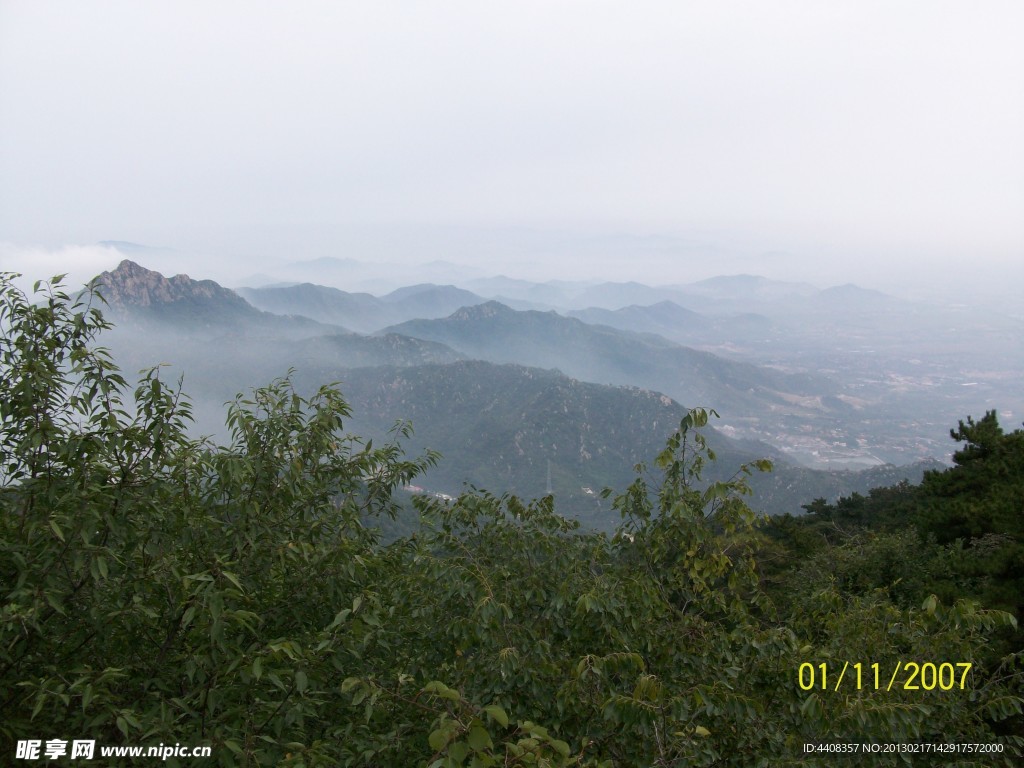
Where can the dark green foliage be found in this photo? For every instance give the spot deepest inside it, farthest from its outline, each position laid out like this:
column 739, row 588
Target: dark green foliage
column 979, row 504
column 984, row 492
column 500, row 426
column 962, row 527
column 958, row 535
column 162, row 589
column 158, row 588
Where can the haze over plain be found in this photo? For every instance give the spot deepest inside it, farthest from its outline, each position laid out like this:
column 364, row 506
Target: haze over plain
column 866, row 142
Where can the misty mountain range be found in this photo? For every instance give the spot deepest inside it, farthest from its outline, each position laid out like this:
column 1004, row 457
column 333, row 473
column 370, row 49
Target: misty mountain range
column 502, row 391
column 606, row 355
column 361, row 312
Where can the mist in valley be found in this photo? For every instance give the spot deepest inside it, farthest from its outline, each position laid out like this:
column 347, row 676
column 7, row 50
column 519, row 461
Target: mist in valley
column 843, row 388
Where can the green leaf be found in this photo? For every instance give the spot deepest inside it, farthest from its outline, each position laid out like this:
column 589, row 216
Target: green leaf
column 438, row 739
column 216, row 605
column 560, row 747
column 497, row 714
column 87, row 696
column 349, row 683
column 440, row 689
column 233, row 579
column 56, row 529
column 479, row 739
column 276, row 680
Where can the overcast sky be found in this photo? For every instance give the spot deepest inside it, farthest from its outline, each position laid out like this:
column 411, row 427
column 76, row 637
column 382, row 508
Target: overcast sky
column 874, row 142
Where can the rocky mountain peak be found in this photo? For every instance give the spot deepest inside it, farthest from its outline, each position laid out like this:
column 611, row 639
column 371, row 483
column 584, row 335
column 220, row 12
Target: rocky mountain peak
column 132, row 285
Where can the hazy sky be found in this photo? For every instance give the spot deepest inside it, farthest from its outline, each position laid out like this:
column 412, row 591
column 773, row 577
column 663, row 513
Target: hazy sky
column 862, row 141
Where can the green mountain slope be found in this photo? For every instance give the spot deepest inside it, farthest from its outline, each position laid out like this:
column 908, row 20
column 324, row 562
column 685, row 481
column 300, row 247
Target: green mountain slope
column 605, row 355
column 498, row 427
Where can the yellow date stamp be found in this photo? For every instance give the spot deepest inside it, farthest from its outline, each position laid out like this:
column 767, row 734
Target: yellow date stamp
column 902, row 676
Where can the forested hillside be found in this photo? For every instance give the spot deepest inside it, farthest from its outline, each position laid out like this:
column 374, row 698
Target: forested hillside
column 960, row 532
column 163, row 589
column 497, row 425
column 494, row 332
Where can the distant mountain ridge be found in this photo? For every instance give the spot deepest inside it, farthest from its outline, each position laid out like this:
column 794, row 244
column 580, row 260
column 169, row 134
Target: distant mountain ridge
column 676, row 323
column 356, row 311
column 361, row 312
column 134, row 294
column 604, row 355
